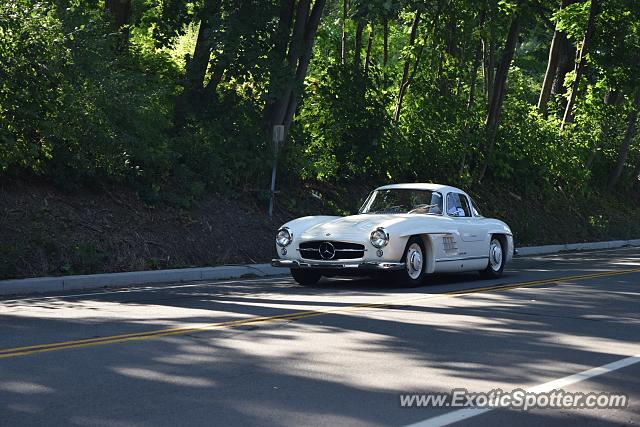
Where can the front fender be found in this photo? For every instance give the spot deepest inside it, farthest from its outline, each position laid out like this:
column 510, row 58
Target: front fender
column 429, row 229
column 499, row 227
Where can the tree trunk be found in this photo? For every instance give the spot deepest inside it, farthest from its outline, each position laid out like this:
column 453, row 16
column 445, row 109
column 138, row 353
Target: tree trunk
column 283, row 31
column 436, row 60
column 404, row 82
column 470, row 101
column 367, row 59
column 300, row 50
column 474, row 76
column 278, row 112
column 463, row 66
column 197, row 64
column 120, row 11
column 305, row 58
column 476, row 63
column 297, row 38
column 385, row 48
column 629, row 134
column 217, row 73
column 451, row 36
column 549, row 75
column 552, row 65
column 357, row 50
column 566, row 62
column 488, row 55
column 499, row 91
column 581, row 63
column 477, row 58
column 196, row 67
column 278, row 56
column 218, row 65
column 343, row 48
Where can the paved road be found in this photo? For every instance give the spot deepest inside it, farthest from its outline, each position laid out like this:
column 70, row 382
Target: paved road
column 268, row 352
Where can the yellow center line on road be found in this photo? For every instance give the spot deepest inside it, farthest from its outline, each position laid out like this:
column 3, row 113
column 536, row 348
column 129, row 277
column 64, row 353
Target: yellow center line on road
column 112, row 339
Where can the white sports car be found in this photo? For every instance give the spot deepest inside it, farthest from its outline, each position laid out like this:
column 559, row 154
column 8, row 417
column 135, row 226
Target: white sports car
column 408, row 230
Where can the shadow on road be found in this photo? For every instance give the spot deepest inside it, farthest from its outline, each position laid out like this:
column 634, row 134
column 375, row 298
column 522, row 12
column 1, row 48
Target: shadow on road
column 341, row 368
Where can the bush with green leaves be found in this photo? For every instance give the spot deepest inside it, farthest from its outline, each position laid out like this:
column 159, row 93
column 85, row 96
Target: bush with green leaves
column 346, row 129
column 73, row 107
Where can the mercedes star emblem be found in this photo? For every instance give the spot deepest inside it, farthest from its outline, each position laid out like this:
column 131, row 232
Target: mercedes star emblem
column 327, row 251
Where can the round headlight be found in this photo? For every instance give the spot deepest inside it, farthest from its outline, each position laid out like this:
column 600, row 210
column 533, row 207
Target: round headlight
column 284, row 237
column 379, row 238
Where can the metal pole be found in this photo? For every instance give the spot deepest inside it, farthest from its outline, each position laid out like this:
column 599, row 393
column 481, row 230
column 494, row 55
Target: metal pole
column 278, row 137
column 273, row 179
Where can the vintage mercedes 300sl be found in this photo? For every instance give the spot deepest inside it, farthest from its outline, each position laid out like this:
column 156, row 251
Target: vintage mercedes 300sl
column 407, row 230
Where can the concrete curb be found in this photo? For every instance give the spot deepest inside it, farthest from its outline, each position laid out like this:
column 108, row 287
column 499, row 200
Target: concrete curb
column 552, row 249
column 120, row 280
column 136, row 278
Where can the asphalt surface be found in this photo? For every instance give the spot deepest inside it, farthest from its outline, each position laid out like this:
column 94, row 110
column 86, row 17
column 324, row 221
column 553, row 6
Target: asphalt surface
column 269, row 352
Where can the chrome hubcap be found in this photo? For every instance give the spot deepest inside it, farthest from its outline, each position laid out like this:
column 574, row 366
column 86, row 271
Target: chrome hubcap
column 414, row 261
column 495, row 255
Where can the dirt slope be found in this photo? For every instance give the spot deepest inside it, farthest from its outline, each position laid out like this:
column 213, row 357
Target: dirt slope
column 47, row 231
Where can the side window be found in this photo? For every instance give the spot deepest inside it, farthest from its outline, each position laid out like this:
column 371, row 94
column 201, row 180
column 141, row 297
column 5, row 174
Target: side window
column 464, row 204
column 436, row 204
column 474, row 209
column 458, row 205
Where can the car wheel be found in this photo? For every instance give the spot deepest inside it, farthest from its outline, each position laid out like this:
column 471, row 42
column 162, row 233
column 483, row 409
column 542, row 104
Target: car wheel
column 305, row 277
column 497, row 257
column 414, row 264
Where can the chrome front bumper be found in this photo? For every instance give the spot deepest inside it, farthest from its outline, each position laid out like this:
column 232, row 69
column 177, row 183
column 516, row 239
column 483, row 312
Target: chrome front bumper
column 385, row 266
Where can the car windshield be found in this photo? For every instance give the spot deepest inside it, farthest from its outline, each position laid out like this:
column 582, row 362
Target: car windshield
column 402, row 200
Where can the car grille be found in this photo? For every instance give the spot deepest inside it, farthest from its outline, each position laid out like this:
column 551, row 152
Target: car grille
column 322, row 250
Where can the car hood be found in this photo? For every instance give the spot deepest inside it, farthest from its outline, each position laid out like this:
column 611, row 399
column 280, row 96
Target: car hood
column 351, row 226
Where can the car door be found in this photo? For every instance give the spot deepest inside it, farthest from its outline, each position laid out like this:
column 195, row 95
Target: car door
column 469, row 229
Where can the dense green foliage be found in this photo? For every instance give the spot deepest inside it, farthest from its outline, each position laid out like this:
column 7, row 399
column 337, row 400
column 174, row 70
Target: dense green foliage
column 184, row 95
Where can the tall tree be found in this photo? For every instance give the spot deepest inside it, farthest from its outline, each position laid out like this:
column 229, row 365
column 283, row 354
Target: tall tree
column 120, row 11
column 499, row 92
column 566, row 60
column 343, row 38
column 488, row 64
column 476, row 63
column 367, row 59
column 472, row 92
column 197, row 64
column 581, row 63
column 404, row 81
column 629, row 134
column 284, row 97
column 385, row 43
column 552, row 63
column 357, row 50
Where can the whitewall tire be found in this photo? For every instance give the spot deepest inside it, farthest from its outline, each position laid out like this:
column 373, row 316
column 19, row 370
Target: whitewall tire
column 497, row 258
column 414, row 260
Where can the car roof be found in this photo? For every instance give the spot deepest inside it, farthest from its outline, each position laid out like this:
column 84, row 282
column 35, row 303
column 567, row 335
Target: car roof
column 422, row 186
